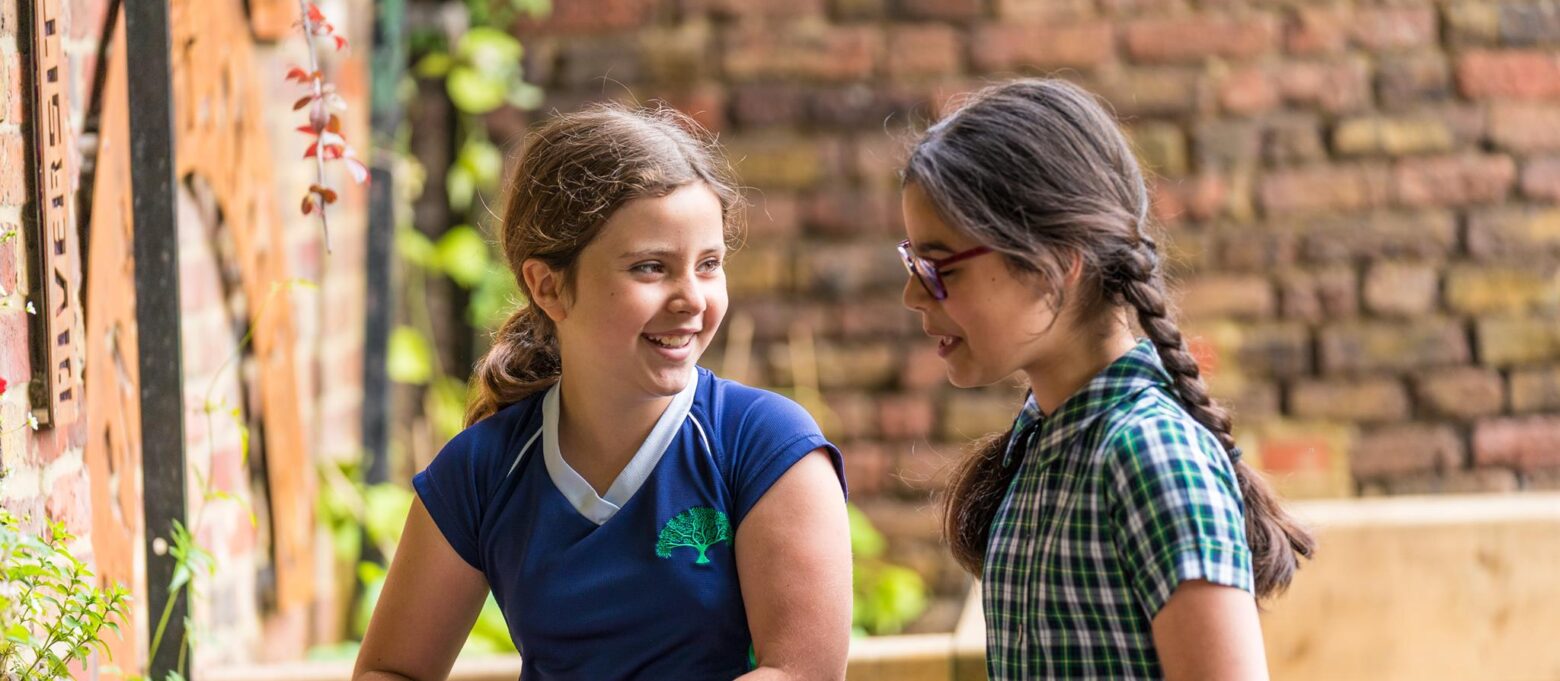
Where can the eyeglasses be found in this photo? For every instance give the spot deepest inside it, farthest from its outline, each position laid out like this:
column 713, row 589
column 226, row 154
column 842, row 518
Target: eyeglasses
column 927, row 271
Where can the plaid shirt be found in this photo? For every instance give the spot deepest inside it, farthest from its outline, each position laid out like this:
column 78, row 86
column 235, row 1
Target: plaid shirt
column 1119, row 497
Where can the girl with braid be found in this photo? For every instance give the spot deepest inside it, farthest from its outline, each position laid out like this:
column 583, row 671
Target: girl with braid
column 1117, row 533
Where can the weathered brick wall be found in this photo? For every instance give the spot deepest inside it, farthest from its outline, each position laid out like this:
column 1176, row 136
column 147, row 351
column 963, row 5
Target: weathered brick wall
column 46, row 474
column 1360, row 197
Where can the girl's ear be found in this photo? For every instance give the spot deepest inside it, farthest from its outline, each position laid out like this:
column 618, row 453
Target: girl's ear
column 546, row 287
column 1074, row 269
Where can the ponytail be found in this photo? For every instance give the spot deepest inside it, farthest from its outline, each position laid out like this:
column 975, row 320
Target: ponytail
column 522, row 361
column 977, row 486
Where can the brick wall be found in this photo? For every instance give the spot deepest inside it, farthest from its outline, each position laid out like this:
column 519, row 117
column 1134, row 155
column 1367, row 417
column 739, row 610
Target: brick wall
column 1360, row 198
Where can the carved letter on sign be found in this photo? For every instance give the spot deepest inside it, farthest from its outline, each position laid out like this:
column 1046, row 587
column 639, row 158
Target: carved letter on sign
column 56, row 336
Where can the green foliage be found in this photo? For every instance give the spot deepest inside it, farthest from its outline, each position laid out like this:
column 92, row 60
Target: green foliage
column 697, row 528
column 51, row 614
column 886, row 596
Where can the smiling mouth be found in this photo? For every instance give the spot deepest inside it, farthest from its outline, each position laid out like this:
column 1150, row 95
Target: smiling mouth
column 672, row 342
column 947, row 344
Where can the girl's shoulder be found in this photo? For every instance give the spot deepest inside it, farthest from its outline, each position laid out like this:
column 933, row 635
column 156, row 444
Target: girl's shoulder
column 742, row 414
column 1153, row 424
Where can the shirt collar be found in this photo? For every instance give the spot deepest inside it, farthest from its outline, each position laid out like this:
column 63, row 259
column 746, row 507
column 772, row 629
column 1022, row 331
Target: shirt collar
column 1140, row 368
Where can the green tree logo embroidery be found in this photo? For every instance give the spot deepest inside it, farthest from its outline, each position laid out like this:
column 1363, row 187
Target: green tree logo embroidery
column 699, row 528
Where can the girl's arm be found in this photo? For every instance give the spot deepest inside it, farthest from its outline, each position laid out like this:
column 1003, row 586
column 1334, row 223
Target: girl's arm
column 1209, row 631
column 793, row 557
column 430, row 600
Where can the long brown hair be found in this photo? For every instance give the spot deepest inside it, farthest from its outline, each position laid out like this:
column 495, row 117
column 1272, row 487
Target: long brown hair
column 1039, row 171
column 576, row 170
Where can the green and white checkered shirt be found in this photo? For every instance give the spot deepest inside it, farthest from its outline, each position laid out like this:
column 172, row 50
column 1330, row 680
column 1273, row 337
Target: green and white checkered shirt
column 1118, row 498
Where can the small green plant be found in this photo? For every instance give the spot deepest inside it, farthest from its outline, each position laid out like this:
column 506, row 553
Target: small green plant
column 53, row 616
column 886, row 596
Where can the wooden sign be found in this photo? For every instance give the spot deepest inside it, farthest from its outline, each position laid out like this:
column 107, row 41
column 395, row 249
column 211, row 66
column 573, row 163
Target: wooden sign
column 55, row 315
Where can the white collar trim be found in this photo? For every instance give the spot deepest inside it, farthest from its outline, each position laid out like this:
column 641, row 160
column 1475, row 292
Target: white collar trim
column 573, row 486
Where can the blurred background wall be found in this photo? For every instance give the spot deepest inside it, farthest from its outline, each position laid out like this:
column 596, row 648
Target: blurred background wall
column 1360, row 199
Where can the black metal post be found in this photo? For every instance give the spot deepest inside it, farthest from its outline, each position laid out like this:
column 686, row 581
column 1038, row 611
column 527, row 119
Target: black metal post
column 153, row 192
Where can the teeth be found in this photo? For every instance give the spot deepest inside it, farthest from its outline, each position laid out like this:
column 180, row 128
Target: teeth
column 671, row 341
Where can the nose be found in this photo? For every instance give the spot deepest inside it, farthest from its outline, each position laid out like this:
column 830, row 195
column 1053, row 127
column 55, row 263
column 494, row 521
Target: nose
column 915, row 296
column 687, row 296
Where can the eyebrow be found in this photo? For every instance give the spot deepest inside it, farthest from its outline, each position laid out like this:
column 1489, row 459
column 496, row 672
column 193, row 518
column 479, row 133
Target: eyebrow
column 929, row 246
column 666, row 252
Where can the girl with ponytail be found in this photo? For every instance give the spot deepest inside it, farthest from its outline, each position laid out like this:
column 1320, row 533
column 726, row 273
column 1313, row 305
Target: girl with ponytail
column 634, row 516
column 1115, row 528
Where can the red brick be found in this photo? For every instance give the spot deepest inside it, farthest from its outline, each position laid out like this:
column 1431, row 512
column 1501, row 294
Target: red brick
column 858, row 10
column 1335, row 87
column 1394, row 28
column 1525, row 126
column 766, row 104
column 1202, row 197
column 588, row 61
column 773, row 215
column 1507, row 341
column 1316, row 30
column 922, row 368
column 861, row 106
column 13, row 169
column 1529, row 23
column 1298, row 454
column 873, row 319
column 1248, row 91
column 1475, row 481
column 1369, row 400
column 1319, row 295
column 677, row 55
column 850, row 416
column 1280, row 349
column 778, row 161
column 1525, row 442
column 1472, row 22
column 844, row 270
column 1509, row 74
column 851, row 213
column 1292, row 139
column 1392, row 346
column 1044, row 10
column 974, row 415
column 806, row 51
column 875, row 160
column 1514, row 288
column 1541, row 178
column 1407, row 448
column 923, row 51
column 1462, row 393
column 1535, row 389
column 1155, row 91
column 1324, row 189
column 590, row 16
column 1408, row 80
column 1011, row 46
column 1226, row 296
column 1513, row 231
column 1401, row 289
column 868, row 466
column 941, row 10
column 706, row 105
column 906, row 417
column 1454, row 180
column 746, row 9
column 15, row 365
column 8, row 254
column 1197, row 38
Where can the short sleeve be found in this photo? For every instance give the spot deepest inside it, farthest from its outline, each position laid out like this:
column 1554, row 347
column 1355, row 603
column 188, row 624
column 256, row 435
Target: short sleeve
column 454, row 488
column 1176, row 510
column 765, row 438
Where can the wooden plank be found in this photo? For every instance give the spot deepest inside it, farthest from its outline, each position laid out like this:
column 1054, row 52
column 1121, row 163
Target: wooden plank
column 222, row 139
column 113, row 446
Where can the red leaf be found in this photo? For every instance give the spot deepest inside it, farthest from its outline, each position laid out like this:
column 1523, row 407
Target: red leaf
column 332, row 152
column 328, row 195
column 341, row 43
column 297, row 73
column 334, row 125
column 3, row 384
column 307, row 130
column 303, row 102
column 308, row 204
column 358, row 170
column 315, row 15
column 309, row 153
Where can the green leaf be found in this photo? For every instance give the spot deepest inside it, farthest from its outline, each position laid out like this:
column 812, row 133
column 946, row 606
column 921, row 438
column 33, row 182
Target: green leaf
column 484, row 161
column 460, row 186
column 474, row 92
column 865, row 540
column 494, row 299
column 415, row 247
column 463, row 254
column 490, row 50
column 434, row 65
column 523, row 95
column 385, row 507
column 410, row 361
column 446, row 407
